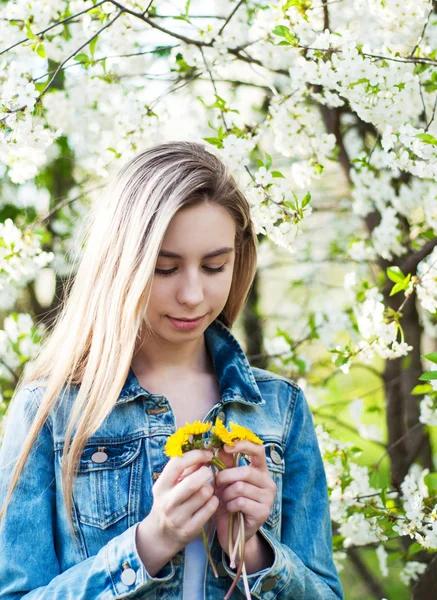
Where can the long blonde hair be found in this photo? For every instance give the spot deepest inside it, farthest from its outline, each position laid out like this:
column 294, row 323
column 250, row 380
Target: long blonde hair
column 94, row 336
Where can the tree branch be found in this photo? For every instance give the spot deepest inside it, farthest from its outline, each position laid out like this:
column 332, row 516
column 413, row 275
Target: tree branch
column 55, row 25
column 423, row 32
column 230, row 16
column 410, row 264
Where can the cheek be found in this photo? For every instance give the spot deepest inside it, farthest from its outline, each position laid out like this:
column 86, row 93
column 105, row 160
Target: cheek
column 221, row 288
column 161, row 290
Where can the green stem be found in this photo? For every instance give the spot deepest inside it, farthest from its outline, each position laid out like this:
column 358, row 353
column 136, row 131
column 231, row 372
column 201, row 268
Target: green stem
column 218, row 463
column 208, row 553
column 236, row 458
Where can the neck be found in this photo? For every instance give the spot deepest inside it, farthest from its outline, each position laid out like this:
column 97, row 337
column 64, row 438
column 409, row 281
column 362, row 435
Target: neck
column 163, row 358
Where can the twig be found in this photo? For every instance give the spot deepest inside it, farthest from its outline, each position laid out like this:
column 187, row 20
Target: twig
column 55, row 25
column 423, row 33
column 214, row 87
column 230, row 16
column 398, row 441
column 433, row 114
column 96, row 60
column 63, row 63
column 142, row 17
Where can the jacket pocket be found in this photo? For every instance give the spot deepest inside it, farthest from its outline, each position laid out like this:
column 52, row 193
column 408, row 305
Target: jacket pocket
column 104, row 482
column 276, row 467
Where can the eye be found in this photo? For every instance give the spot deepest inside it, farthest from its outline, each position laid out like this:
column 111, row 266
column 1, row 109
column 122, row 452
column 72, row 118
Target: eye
column 217, row 270
column 209, row 270
column 165, row 271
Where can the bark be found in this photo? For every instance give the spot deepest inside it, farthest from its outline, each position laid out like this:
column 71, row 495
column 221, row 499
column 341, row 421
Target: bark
column 425, row 588
column 400, row 375
column 252, row 325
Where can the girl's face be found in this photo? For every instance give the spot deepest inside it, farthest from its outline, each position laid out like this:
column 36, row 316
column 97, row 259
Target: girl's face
column 193, row 273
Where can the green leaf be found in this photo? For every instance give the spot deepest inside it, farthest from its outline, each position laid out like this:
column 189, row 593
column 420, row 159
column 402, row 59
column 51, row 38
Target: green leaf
column 306, row 199
column 29, row 32
column 395, row 274
column 259, row 163
column 432, row 356
column 383, row 495
column 277, row 174
column 397, row 288
column 82, row 57
column 93, row 45
column 428, row 376
column 427, row 138
column 268, row 161
column 281, row 31
column 430, row 480
column 214, row 141
column 420, row 389
column 415, row 547
column 359, row 82
column 40, row 50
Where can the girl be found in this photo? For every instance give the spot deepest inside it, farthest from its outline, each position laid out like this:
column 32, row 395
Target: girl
column 91, row 506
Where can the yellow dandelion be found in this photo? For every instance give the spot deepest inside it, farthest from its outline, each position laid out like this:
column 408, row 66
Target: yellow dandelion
column 196, row 428
column 175, row 442
column 243, row 433
column 220, row 431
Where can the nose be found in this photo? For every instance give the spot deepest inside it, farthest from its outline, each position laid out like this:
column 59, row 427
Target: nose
column 190, row 291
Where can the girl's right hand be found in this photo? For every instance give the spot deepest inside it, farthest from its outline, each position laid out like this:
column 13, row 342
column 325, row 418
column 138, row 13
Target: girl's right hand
column 183, row 502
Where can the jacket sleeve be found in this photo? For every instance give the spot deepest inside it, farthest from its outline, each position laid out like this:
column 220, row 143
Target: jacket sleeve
column 303, row 566
column 29, row 566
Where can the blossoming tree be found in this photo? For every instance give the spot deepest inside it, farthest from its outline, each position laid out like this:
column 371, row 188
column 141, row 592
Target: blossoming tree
column 293, row 95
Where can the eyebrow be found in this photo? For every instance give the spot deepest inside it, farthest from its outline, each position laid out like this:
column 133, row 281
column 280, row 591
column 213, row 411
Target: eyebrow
column 218, row 252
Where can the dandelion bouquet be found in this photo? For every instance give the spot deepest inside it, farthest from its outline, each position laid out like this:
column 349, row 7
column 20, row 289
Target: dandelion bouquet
column 200, row 435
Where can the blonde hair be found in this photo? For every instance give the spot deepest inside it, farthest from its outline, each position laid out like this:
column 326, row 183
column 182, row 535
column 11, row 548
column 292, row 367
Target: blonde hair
column 94, row 336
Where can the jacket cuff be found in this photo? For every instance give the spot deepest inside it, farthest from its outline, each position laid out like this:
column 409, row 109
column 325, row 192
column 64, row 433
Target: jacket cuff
column 126, row 570
column 267, row 583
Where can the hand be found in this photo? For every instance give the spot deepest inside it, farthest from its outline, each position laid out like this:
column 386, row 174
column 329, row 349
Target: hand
column 249, row 489
column 183, row 501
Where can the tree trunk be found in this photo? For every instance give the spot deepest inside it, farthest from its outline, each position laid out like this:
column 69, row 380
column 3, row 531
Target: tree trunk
column 252, row 325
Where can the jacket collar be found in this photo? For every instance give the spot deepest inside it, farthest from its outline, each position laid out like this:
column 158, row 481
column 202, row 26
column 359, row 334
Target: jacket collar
column 231, row 366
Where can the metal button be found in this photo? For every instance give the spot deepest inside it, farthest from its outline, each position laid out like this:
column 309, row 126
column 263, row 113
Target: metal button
column 222, row 416
column 177, row 560
column 275, row 456
column 268, row 584
column 221, row 569
column 128, row 576
column 99, row 457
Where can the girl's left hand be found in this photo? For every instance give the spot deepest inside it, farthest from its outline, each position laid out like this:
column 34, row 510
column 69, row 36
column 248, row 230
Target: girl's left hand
column 249, row 489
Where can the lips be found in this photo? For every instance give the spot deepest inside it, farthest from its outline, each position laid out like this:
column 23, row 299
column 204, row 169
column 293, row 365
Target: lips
column 187, row 320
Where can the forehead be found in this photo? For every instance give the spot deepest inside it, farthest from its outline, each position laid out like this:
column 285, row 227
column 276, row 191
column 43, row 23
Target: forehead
column 200, row 229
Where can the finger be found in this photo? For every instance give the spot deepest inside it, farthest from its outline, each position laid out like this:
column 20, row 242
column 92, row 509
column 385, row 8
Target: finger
column 247, row 490
column 247, row 473
column 201, row 516
column 189, row 470
column 190, row 485
column 194, row 503
column 176, row 466
column 256, row 452
column 257, row 511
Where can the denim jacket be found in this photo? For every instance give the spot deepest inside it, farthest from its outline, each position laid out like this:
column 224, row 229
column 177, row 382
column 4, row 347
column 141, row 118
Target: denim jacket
column 113, row 493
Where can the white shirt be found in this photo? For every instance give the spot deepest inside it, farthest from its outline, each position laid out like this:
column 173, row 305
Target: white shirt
column 195, row 563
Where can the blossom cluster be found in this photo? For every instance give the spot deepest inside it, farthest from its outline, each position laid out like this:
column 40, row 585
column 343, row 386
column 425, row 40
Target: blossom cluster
column 20, row 341
column 21, row 256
